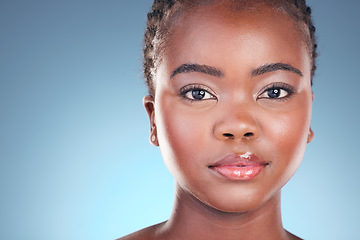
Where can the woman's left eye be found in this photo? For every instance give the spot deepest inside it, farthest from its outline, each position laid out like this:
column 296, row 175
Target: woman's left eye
column 277, row 92
column 198, row 94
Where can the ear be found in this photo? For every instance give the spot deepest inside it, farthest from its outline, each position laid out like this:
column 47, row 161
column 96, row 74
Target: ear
column 311, row 132
column 149, row 104
column 310, row 136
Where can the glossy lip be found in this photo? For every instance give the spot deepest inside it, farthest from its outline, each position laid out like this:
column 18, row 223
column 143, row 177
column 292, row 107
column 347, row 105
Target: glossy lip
column 237, row 167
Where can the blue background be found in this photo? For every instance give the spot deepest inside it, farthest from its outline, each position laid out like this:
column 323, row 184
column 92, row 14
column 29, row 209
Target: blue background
column 75, row 160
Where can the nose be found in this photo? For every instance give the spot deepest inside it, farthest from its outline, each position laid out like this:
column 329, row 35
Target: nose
column 240, row 125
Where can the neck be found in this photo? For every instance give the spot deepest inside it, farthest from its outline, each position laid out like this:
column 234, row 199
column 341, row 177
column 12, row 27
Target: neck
column 192, row 219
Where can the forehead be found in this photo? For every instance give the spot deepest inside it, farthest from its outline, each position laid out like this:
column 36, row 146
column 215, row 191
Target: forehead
column 253, row 36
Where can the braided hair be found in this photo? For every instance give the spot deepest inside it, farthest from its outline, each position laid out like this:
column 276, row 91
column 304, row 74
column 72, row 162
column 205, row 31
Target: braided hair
column 163, row 13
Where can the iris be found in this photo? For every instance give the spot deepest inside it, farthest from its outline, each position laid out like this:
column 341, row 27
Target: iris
column 198, row 94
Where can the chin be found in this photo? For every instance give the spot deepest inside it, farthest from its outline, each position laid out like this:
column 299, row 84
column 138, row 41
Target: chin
column 238, row 202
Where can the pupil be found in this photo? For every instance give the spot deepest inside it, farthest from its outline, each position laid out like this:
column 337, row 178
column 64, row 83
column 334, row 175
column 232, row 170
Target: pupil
column 198, row 94
column 274, row 93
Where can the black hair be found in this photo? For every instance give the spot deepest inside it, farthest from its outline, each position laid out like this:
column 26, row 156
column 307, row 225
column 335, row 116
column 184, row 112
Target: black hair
column 163, row 13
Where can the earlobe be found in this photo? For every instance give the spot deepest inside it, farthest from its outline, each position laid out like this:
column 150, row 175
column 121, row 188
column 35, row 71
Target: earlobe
column 310, row 136
column 311, row 132
column 149, row 104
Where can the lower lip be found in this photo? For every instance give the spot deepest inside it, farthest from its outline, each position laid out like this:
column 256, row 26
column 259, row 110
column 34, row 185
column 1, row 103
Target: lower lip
column 237, row 173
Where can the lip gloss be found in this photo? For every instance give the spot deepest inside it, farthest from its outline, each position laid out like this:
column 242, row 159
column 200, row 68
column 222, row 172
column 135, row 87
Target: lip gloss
column 239, row 167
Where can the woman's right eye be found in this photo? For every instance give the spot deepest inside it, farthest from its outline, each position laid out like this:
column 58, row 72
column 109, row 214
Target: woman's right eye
column 198, row 94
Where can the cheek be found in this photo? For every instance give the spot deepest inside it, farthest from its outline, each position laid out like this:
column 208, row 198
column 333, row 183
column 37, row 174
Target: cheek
column 288, row 137
column 181, row 134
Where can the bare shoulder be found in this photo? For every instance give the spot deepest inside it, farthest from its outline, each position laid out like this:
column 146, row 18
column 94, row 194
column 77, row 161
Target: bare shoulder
column 292, row 236
column 149, row 233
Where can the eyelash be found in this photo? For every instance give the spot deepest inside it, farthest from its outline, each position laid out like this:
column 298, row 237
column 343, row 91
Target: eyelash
column 278, row 85
column 196, row 87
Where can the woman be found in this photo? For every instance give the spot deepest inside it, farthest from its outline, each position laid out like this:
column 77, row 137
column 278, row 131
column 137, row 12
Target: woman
column 229, row 104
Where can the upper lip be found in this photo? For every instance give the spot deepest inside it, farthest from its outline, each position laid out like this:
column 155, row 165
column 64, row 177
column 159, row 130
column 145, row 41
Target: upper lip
column 245, row 159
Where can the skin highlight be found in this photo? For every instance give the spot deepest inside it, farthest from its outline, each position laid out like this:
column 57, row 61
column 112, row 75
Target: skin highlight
column 230, row 84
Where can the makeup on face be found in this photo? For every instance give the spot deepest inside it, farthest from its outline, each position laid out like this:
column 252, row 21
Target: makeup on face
column 239, row 167
column 232, row 105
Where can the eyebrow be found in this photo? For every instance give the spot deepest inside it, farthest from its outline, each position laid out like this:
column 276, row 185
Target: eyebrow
column 213, row 71
column 192, row 67
column 272, row 67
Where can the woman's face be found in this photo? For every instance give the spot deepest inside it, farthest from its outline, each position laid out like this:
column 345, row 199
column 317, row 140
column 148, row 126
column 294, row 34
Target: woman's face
column 232, row 105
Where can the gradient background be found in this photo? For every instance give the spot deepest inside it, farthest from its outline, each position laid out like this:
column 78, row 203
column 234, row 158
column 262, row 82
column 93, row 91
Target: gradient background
column 75, row 160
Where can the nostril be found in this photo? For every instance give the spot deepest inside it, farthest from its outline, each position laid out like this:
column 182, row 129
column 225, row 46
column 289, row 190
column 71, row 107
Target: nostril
column 248, row 134
column 228, row 135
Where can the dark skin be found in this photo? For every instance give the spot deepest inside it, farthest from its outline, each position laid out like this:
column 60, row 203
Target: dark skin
column 247, row 56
